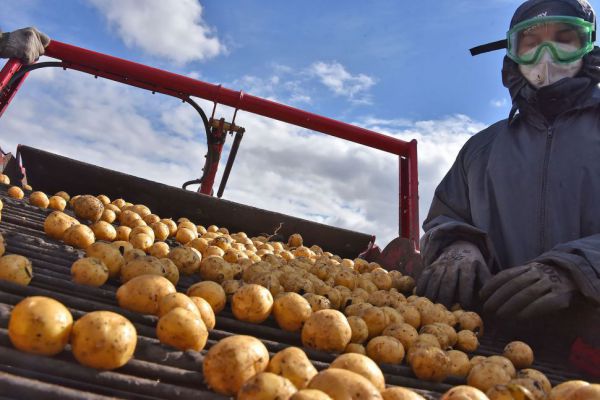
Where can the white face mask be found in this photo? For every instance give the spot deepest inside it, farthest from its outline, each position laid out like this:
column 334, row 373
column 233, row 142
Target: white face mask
column 547, row 71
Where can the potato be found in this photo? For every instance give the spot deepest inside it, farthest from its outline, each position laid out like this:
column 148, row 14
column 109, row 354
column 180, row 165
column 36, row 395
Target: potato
column 343, row 384
column 57, row 203
column 212, row 292
column 505, row 363
column 146, row 265
column 532, row 386
column 57, row 223
column 355, row 348
column 141, row 241
column 133, row 254
column 182, row 329
column 445, row 334
column 293, row 364
column 385, row 349
column 295, row 240
column 564, row 390
column 589, row 392
column 327, row 330
column 16, row 192
column 161, row 231
column 173, row 300
column 467, row 341
column 230, row 286
column 310, row 394
column 487, row 374
column 400, row 393
column 252, row 303
column 519, row 353
column 427, row 339
column 109, row 255
column 104, row 231
column 361, row 365
column 40, row 325
column 291, row 311
column 123, row 233
column 459, row 363
column 411, row 315
column 185, row 235
column 404, row 332
column 537, row 376
column 89, row 271
column 232, row 361
column 142, row 229
column 266, row 386
column 376, row 320
column 206, row 311
column 103, row 340
column 2, row 245
column 381, row 279
column 510, row 391
column 88, row 207
column 108, row 216
column 16, row 268
column 170, row 270
column 464, row 392
column 429, row 363
column 471, row 321
column 39, row 199
column 142, row 293
column 80, row 236
column 187, row 259
column 360, row 330
column 159, row 250
column 151, row 219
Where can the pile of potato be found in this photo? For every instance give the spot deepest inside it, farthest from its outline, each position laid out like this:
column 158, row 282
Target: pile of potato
column 337, row 305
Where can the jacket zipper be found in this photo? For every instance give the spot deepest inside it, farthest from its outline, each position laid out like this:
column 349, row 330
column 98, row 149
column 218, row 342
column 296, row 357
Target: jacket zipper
column 549, row 137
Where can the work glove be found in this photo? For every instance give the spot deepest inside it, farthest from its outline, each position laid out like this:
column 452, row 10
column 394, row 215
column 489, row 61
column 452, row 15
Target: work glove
column 456, row 275
column 26, row 44
column 527, row 291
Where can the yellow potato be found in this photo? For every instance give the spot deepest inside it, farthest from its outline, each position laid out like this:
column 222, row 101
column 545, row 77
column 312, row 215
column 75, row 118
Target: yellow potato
column 400, row 393
column 57, row 203
column 15, row 268
column 293, row 364
column 266, row 386
column 487, row 374
column 185, row 235
column 4, row 179
column 589, row 392
column 317, row 302
column 360, row 330
column 80, row 236
column 471, row 321
column 464, row 392
column 459, row 363
column 173, row 300
column 57, row 223
column 109, row 255
column 103, row 231
column 252, row 303
column 564, row 390
column 510, row 391
column 159, row 250
column 310, row 394
column 535, row 390
column 40, row 325
column 103, row 340
column 376, row 320
column 214, row 268
column 133, row 254
column 343, row 384
column 64, row 195
column 2, row 245
column 171, row 225
column 89, row 271
column 230, row 286
column 141, row 241
column 108, row 216
column 123, row 233
column 161, row 230
column 206, row 311
column 123, row 246
column 404, row 332
column 291, row 311
column 232, row 361
column 142, row 229
column 519, row 353
column 429, row 363
column 146, row 265
column 16, row 192
column 363, row 366
column 142, row 293
column 385, row 349
column 39, row 199
column 151, row 219
column 187, row 259
column 505, row 363
column 327, row 330
column 467, row 341
column 182, row 329
column 212, row 292
column 537, row 376
column 170, row 270
column 88, row 207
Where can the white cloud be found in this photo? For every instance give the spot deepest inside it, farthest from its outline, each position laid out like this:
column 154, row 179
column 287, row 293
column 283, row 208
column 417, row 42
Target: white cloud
column 335, row 76
column 174, row 30
column 279, row 167
column 499, row 103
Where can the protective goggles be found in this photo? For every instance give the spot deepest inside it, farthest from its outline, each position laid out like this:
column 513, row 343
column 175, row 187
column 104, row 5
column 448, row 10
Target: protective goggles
column 566, row 38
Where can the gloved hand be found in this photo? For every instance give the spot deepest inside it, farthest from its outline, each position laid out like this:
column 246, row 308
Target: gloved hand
column 529, row 290
column 27, row 44
column 455, row 276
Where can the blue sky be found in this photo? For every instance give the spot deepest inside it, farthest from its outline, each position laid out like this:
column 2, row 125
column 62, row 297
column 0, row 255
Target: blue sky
column 400, row 68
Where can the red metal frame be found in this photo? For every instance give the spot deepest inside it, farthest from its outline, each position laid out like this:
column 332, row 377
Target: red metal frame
column 180, row 86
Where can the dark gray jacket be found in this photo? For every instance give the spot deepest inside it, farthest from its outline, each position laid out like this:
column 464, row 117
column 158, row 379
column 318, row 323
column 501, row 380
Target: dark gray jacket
column 528, row 187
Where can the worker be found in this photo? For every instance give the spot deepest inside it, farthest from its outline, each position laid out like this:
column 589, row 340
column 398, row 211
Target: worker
column 26, row 44
column 515, row 223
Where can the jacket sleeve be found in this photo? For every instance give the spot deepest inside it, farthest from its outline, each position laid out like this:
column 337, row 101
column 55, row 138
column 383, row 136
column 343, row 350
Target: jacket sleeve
column 449, row 218
column 582, row 258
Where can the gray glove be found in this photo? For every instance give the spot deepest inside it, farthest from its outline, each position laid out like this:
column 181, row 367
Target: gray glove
column 26, row 44
column 455, row 276
column 528, row 291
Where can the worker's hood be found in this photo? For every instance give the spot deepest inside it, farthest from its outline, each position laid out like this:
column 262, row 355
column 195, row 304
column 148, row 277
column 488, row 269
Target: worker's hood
column 521, row 92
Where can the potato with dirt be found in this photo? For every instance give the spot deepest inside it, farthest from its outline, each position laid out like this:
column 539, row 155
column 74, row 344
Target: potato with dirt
column 40, row 325
column 564, row 390
column 266, row 386
column 57, row 223
column 109, row 255
column 487, row 374
column 210, row 291
column 182, row 329
column 459, row 363
column 232, row 361
column 464, row 392
column 519, row 353
column 57, row 203
column 360, row 330
column 89, row 271
column 310, row 394
column 291, row 311
column 429, row 363
column 174, row 300
column 216, row 269
column 88, row 207
column 16, row 268
column 145, row 265
column 80, row 236
column 293, row 364
column 252, row 303
column 404, row 332
column 39, row 199
column 362, row 365
column 206, row 312
column 16, row 192
column 143, row 293
column 400, row 393
column 103, row 340
column 385, row 349
column 104, row 231
column 327, row 330
column 344, row 384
